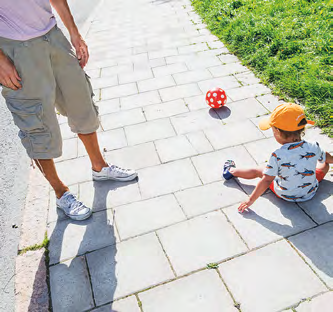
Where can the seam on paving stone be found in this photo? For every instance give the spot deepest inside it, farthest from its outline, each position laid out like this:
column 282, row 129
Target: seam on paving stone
column 236, row 304
column 301, row 256
column 180, row 205
column 309, row 216
column 139, row 302
column 191, row 160
column 157, row 153
column 90, row 282
column 164, row 251
column 241, row 237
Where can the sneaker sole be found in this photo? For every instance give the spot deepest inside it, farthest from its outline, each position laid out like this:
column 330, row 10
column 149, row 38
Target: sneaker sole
column 77, row 218
column 129, row 178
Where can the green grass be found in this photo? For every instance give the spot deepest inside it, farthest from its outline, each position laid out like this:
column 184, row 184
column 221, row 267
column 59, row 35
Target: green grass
column 288, row 44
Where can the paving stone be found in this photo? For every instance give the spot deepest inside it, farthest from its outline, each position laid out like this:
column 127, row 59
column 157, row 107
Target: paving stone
column 267, row 133
column 195, row 121
column 108, row 140
column 241, row 110
column 270, row 101
column 193, row 48
column 169, row 69
column 135, row 76
column 314, row 134
column 115, row 70
column 108, row 194
column 262, row 150
column 156, row 83
column 166, row 109
column 152, row 185
column 122, row 119
column 108, row 106
column 151, row 63
column 268, row 219
column 94, row 73
column 31, row 290
column 246, row 92
column 322, row 303
column 196, row 102
column 281, row 278
column 226, row 83
column 209, row 166
column 70, row 286
column 121, row 270
column 69, row 149
column 228, row 135
column 129, row 304
column 174, row 148
column 212, row 54
column 162, row 53
column 247, row 78
column 228, row 69
column 74, row 170
column 316, row 247
column 192, row 244
column 228, row 58
column 104, row 82
column 66, row 132
column 140, row 100
column 199, row 142
column 216, row 44
column 192, row 76
column 202, row 199
column 149, row 131
column 179, row 92
column 69, row 238
column 202, row 291
column 320, row 207
column 119, row 91
column 146, row 216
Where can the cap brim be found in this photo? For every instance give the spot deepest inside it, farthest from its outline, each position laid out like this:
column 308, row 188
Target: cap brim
column 310, row 122
column 264, row 124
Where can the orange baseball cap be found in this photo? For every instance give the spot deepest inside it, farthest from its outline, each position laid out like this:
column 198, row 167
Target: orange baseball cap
column 285, row 117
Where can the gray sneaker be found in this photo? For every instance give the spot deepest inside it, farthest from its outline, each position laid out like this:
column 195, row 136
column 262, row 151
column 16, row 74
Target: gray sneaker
column 72, row 207
column 114, row 173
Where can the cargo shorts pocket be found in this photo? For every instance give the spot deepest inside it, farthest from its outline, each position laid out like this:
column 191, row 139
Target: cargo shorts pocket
column 27, row 115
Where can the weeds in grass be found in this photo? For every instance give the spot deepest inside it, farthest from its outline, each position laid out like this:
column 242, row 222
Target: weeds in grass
column 287, row 43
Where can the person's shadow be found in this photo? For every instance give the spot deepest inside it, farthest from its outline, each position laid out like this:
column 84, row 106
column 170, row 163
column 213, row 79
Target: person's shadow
column 76, row 284
column 316, row 243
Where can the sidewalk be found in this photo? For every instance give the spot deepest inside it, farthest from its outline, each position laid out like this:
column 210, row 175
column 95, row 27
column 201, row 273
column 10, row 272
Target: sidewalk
column 148, row 243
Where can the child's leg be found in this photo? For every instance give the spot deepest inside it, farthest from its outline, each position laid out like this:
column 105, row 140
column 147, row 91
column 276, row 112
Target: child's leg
column 250, row 173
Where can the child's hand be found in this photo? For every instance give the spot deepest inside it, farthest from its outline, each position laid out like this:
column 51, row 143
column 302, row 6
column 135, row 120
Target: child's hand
column 245, row 205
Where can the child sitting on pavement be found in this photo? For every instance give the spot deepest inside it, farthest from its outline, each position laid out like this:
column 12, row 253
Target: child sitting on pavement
column 295, row 169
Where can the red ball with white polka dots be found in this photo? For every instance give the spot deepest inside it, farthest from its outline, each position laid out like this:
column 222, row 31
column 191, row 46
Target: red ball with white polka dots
column 216, row 98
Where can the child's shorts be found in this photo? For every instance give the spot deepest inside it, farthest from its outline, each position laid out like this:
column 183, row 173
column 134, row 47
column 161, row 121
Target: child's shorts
column 51, row 77
column 319, row 175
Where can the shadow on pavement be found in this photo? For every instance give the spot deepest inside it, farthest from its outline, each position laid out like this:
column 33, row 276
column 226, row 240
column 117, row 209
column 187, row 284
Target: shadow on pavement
column 72, row 282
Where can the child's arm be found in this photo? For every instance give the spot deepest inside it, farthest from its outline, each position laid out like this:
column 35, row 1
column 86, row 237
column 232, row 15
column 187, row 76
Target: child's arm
column 329, row 158
column 258, row 191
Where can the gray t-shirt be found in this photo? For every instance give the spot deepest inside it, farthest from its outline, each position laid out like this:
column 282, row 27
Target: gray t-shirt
column 25, row 19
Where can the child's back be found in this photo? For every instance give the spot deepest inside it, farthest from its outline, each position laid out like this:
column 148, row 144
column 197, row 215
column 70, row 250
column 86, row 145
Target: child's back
column 294, row 168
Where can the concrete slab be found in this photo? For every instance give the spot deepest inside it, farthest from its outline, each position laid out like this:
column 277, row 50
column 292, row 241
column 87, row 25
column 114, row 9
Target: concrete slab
column 129, row 304
column 146, row 216
column 192, row 244
column 280, row 276
column 140, row 100
column 166, row 109
column 316, row 247
column 152, row 185
column 267, row 220
column 322, row 303
column 121, row 270
column 203, row 291
column 70, row 286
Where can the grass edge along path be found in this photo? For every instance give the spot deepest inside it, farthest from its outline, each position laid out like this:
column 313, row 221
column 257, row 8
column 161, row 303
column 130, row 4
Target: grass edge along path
column 287, row 43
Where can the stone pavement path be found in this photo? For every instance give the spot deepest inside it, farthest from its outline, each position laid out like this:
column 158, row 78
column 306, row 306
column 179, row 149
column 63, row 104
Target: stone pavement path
column 148, row 243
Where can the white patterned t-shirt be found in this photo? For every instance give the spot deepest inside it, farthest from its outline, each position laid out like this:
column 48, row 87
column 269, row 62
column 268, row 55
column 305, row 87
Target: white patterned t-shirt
column 294, row 168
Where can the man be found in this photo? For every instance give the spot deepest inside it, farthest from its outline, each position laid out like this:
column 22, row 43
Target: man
column 39, row 71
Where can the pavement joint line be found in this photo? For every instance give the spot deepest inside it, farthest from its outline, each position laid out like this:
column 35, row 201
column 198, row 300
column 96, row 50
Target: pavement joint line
column 181, row 207
column 166, row 255
column 196, row 170
column 233, row 226
column 306, row 213
column 89, row 279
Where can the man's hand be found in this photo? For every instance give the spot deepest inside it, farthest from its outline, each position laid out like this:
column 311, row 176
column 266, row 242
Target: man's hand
column 8, row 74
column 245, row 205
column 81, row 49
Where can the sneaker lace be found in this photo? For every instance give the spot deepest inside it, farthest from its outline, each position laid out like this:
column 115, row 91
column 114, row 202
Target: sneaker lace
column 74, row 204
column 118, row 169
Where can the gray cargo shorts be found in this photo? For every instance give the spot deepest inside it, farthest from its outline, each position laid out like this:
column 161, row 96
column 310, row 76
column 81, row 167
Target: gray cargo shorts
column 51, row 78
